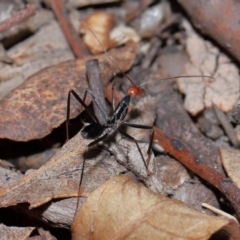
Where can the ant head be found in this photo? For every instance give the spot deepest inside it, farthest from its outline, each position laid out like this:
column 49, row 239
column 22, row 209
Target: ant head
column 135, row 90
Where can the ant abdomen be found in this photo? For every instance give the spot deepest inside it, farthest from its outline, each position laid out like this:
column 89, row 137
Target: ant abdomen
column 92, row 131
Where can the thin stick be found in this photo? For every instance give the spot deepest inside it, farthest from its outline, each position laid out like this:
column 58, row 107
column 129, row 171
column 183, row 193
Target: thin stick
column 227, row 126
column 175, row 148
column 17, row 18
column 71, row 35
column 96, row 86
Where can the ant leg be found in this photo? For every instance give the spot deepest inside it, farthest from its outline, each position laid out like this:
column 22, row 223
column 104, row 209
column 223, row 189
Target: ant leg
column 151, row 136
column 83, row 164
column 113, row 98
column 82, row 102
column 80, row 182
column 134, row 125
column 97, row 140
column 101, row 146
column 150, row 147
column 135, row 141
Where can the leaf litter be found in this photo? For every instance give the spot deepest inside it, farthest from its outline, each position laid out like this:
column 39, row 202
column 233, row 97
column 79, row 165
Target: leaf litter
column 39, row 105
column 59, row 178
column 206, row 59
column 129, row 210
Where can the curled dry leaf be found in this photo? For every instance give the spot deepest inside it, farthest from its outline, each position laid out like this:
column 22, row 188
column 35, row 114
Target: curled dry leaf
column 101, row 23
column 39, row 105
column 230, row 159
column 15, row 233
column 59, row 177
column 121, row 34
column 205, row 59
column 122, row 209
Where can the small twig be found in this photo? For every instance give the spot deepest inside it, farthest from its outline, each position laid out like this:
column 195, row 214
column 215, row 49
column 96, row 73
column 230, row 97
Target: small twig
column 175, row 148
column 71, row 35
column 95, row 84
column 155, row 44
column 226, row 126
column 17, row 18
column 219, row 212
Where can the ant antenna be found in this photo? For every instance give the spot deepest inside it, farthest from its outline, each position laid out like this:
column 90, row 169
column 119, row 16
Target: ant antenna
column 133, row 90
column 105, row 50
column 178, row 77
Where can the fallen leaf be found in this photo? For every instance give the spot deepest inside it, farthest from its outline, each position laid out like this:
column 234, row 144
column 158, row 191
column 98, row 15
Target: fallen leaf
column 122, row 209
column 206, row 59
column 15, row 233
column 45, row 48
column 8, row 177
column 36, row 107
column 230, row 159
column 99, row 27
column 121, row 34
column 45, row 234
column 101, row 23
column 60, row 177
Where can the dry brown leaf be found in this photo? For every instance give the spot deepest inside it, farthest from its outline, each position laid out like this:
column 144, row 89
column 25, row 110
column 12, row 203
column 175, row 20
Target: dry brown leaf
column 59, row 178
column 121, row 34
column 15, row 233
column 39, row 105
column 8, row 177
column 47, row 47
column 101, row 23
column 205, row 59
column 122, row 209
column 230, row 159
column 45, row 235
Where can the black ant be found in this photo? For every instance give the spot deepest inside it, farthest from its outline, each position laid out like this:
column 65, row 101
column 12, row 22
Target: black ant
column 99, row 132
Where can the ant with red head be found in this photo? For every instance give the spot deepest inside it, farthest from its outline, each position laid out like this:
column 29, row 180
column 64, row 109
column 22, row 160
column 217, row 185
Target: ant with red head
column 100, row 131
